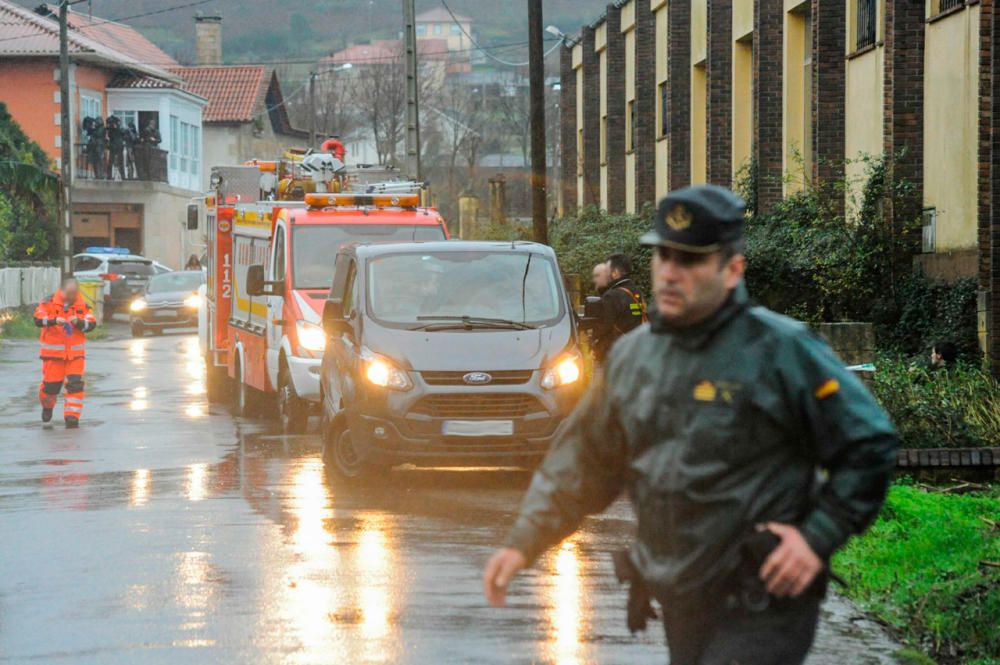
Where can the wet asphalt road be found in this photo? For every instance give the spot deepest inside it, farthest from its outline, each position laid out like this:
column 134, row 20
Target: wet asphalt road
column 165, row 531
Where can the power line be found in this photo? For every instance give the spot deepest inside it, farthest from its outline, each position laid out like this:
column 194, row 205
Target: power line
column 104, row 21
column 483, row 50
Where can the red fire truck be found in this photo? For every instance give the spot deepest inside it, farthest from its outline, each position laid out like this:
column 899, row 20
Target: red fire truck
column 274, row 229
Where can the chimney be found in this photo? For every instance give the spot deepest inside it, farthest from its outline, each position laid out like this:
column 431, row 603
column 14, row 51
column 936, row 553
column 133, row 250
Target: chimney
column 208, row 39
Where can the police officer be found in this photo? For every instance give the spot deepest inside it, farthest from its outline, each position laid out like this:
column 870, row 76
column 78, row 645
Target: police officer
column 716, row 418
column 623, row 306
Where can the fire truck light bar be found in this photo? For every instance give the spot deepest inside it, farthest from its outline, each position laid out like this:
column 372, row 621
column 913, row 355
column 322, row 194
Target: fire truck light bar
column 324, row 200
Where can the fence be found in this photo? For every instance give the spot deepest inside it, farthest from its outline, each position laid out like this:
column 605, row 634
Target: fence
column 26, row 285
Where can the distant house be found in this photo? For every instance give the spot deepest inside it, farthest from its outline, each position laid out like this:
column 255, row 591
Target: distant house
column 437, row 23
column 114, row 71
column 246, row 116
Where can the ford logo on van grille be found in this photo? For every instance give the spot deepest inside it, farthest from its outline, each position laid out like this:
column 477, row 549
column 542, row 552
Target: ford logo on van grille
column 477, row 378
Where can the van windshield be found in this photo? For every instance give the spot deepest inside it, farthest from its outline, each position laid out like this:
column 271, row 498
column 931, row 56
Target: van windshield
column 314, row 248
column 413, row 290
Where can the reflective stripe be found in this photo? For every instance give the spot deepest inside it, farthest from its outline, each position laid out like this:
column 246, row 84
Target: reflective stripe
column 53, row 347
column 77, row 347
column 73, row 400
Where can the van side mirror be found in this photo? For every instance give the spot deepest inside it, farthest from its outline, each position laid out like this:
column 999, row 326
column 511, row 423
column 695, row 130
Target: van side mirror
column 255, row 280
column 334, row 322
column 192, row 217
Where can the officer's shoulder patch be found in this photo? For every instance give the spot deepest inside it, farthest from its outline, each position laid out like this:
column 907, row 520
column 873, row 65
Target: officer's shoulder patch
column 827, row 388
column 705, row 391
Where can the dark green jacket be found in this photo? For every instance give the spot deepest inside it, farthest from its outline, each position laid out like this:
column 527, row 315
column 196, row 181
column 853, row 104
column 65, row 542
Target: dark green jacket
column 712, row 430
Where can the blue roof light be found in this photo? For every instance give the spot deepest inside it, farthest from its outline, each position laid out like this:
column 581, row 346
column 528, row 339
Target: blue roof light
column 108, row 250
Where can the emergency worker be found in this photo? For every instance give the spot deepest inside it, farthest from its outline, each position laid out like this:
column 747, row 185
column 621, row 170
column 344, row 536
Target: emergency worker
column 716, row 418
column 600, row 278
column 64, row 319
column 623, row 306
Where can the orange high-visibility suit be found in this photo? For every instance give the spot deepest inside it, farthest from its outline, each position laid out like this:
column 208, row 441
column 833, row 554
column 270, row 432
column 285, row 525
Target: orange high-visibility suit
column 62, row 351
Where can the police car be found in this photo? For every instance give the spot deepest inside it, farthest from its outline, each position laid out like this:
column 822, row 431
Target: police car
column 124, row 274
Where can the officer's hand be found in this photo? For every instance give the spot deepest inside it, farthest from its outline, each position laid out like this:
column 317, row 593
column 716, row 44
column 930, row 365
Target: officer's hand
column 500, row 570
column 60, row 320
column 792, row 566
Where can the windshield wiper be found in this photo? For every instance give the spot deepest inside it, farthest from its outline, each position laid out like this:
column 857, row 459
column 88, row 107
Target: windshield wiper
column 468, row 323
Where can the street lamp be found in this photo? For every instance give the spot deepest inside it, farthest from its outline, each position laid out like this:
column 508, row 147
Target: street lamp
column 556, row 32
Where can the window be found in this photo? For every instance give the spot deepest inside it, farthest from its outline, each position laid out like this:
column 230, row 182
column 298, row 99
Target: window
column 127, row 117
column 438, row 28
column 866, row 25
column 664, row 109
column 579, row 151
column 85, row 263
column 604, row 139
column 347, row 303
column 422, row 29
column 807, row 96
column 279, row 255
column 455, row 29
column 90, row 105
column 195, row 149
column 184, row 142
column 945, row 5
column 630, row 127
column 175, row 137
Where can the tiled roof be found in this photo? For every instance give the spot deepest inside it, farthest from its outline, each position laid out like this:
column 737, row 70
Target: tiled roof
column 439, row 15
column 24, row 33
column 138, row 81
column 386, row 51
column 233, row 92
column 122, row 38
column 379, row 52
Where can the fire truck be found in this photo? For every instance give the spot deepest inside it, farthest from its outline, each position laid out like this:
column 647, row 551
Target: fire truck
column 273, row 230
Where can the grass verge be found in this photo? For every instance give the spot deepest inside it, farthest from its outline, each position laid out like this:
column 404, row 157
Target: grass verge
column 18, row 324
column 920, row 568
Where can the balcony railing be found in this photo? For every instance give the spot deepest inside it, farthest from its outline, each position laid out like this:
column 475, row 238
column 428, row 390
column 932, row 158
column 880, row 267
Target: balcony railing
column 138, row 162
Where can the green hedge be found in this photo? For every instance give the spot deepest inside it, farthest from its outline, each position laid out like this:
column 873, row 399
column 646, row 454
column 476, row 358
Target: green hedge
column 953, row 408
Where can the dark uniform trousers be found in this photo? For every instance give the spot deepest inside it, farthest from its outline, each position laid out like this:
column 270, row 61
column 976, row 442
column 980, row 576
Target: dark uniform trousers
column 715, row 629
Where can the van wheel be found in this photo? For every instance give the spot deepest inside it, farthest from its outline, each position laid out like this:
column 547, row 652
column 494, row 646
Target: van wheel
column 241, row 395
column 217, row 383
column 293, row 411
column 340, row 457
column 137, row 329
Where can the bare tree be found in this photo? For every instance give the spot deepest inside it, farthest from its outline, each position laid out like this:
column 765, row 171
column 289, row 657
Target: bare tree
column 512, row 113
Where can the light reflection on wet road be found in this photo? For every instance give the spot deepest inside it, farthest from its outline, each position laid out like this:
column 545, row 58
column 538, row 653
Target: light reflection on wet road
column 163, row 531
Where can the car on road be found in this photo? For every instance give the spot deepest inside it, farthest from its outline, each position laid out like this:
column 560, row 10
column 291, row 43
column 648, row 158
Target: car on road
column 170, row 300
column 124, row 274
column 446, row 354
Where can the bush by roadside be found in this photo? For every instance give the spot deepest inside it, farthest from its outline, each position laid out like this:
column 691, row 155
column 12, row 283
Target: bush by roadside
column 954, row 408
column 18, row 324
column 920, row 569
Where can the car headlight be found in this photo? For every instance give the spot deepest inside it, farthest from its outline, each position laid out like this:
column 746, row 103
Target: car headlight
column 382, row 373
column 311, row 336
column 563, row 373
column 193, row 301
column 138, row 305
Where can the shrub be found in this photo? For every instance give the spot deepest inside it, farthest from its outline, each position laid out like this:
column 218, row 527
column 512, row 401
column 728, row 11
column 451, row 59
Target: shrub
column 584, row 241
column 807, row 260
column 954, row 408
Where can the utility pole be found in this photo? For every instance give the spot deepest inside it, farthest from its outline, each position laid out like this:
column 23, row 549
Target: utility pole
column 412, row 101
column 312, row 110
column 65, row 143
column 536, row 81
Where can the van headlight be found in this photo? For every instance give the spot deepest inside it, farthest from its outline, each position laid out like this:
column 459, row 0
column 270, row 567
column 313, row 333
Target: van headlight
column 566, row 371
column 311, row 337
column 137, row 305
column 382, row 373
column 193, row 301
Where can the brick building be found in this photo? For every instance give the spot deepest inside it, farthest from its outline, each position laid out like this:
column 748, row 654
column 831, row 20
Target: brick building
column 659, row 94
